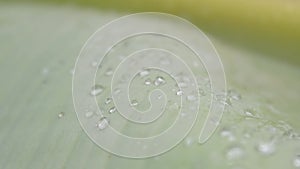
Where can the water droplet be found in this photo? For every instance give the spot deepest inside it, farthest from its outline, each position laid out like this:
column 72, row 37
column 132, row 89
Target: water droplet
column 134, row 103
column 189, row 141
column 96, row 90
column 117, row 91
column 179, row 93
column 250, row 113
column 147, row 82
column 94, row 63
column 191, row 98
column 89, row 114
column 159, row 81
column 112, row 110
column 227, row 134
column 72, row 71
column 234, row 95
column 266, row 148
column 202, row 92
column 144, row 73
column 102, row 123
column 108, row 100
column 296, row 161
column 109, row 72
column 182, row 85
column 45, row 71
column 235, row 152
column 61, row 114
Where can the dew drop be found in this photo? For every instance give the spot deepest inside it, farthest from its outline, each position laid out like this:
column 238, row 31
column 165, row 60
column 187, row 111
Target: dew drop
column 89, row 114
column 235, row 152
column 45, row 71
column 296, row 161
column 182, row 85
column 191, row 98
column 94, row 63
column 117, row 91
column 189, row 141
column 159, row 81
column 61, row 114
column 147, row 82
column 134, row 103
column 102, row 123
column 109, row 72
column 144, row 73
column 227, row 134
column 72, row 71
column 112, row 110
column 108, row 100
column 96, row 90
column 179, row 93
column 234, row 95
column 266, row 148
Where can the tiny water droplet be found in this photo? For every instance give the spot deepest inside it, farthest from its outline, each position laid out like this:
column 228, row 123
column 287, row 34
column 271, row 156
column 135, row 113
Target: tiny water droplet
column 159, row 81
column 94, row 63
column 61, row 114
column 89, row 114
column 227, row 134
column 182, row 85
column 144, row 73
column 72, row 71
column 266, row 148
column 147, row 82
column 134, row 103
column 117, row 91
column 102, row 123
column 296, row 161
column 191, row 98
column 235, row 152
column 45, row 71
column 202, row 92
column 179, row 93
column 108, row 100
column 109, row 72
column 112, row 110
column 96, row 90
column 189, row 141
column 234, row 95
column 249, row 113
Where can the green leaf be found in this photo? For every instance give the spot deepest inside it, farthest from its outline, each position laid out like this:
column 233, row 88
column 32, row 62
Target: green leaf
column 39, row 128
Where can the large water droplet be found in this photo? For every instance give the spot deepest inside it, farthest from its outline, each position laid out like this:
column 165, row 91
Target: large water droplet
column 102, row 123
column 296, row 161
column 159, row 81
column 96, row 90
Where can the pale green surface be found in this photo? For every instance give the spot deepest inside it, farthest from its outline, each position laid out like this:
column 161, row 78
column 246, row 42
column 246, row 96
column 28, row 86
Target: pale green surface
column 33, row 39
